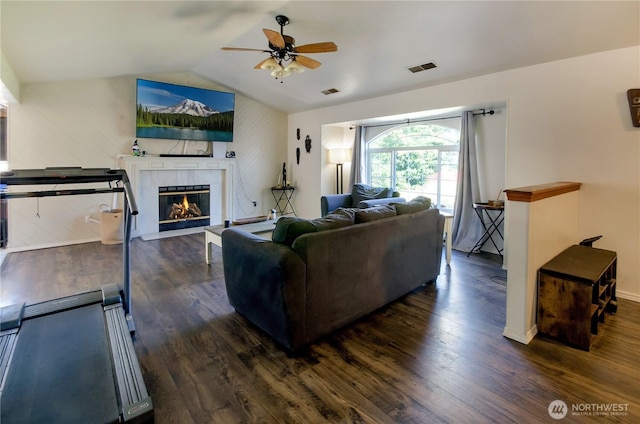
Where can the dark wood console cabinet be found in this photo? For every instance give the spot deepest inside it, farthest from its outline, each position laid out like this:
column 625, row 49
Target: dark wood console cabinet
column 575, row 290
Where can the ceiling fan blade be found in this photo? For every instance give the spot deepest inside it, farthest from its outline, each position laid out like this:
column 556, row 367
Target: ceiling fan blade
column 242, row 49
column 274, row 37
column 326, row 47
column 308, row 62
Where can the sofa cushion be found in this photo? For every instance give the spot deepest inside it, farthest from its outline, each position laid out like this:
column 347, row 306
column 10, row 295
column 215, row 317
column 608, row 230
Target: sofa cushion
column 415, row 205
column 361, row 192
column 376, row 212
column 289, row 228
column 341, row 217
column 376, row 202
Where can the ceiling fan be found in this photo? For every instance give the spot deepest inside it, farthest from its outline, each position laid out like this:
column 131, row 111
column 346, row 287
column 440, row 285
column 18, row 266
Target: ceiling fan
column 284, row 56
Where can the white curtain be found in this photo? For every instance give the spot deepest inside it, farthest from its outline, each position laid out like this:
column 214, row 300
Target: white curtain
column 357, row 173
column 466, row 227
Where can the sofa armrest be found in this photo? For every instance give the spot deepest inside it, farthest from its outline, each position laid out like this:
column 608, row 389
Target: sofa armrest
column 375, row 202
column 331, row 202
column 266, row 283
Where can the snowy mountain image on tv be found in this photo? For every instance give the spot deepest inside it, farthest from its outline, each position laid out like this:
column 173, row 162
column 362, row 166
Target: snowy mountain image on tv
column 190, row 107
column 177, row 112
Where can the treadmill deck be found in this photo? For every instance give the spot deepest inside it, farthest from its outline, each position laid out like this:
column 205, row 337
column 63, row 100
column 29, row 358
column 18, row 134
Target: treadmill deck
column 78, row 372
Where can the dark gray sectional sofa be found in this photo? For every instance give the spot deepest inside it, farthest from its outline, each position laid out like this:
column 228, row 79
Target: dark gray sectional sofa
column 320, row 275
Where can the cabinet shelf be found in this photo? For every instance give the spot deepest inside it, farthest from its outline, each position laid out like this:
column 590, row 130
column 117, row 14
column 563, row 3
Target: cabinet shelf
column 576, row 290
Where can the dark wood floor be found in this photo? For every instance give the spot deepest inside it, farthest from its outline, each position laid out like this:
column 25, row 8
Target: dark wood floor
column 435, row 356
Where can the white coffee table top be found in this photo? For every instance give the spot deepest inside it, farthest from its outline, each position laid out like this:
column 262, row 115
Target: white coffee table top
column 254, row 228
column 213, row 234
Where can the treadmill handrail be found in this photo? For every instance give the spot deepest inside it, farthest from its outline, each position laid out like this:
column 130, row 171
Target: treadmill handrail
column 131, row 201
column 78, row 175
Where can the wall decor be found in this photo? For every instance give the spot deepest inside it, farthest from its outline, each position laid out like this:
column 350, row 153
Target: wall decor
column 298, row 134
column 284, row 174
column 307, row 144
column 298, row 155
column 633, row 95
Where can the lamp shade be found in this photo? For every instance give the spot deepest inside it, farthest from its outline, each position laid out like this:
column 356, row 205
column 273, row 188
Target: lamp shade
column 294, row 67
column 270, row 65
column 280, row 73
column 339, row 155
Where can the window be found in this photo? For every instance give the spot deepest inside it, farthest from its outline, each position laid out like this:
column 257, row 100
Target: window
column 416, row 160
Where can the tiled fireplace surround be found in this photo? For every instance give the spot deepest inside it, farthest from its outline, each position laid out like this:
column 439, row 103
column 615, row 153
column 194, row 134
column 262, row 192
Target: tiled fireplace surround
column 150, row 172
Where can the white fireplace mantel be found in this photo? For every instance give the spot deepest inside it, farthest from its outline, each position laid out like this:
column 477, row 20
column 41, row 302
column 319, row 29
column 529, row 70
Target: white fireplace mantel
column 147, row 173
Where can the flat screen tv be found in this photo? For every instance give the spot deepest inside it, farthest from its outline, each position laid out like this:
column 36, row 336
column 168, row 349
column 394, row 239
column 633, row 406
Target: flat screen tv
column 178, row 112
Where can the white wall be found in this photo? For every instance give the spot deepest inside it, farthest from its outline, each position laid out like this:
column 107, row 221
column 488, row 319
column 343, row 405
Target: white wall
column 334, row 137
column 88, row 123
column 566, row 121
column 9, row 85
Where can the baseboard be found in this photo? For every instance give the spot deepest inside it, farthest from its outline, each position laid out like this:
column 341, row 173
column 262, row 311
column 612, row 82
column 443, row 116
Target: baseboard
column 519, row 337
column 628, row 296
column 49, row 245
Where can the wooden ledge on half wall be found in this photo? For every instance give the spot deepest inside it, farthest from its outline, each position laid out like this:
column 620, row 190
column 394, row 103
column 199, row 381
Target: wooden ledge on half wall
column 541, row 191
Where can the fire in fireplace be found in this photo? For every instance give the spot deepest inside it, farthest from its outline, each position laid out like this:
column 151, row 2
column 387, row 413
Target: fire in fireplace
column 182, row 207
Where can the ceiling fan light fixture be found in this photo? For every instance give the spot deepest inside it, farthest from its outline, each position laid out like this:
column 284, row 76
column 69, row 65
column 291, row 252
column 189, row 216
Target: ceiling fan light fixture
column 294, row 67
column 280, row 73
column 284, row 56
column 270, row 65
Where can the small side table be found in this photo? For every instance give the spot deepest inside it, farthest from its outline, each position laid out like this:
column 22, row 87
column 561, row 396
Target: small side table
column 491, row 217
column 575, row 289
column 283, row 197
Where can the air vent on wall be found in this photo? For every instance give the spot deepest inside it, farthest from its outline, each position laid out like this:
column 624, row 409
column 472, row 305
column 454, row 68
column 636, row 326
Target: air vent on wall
column 330, row 91
column 423, row 67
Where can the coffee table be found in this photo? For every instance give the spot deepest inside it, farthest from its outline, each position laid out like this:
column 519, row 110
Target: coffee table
column 213, row 234
column 448, row 223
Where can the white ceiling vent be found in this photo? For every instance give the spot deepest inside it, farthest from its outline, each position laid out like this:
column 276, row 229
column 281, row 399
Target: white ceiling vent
column 423, row 67
column 330, row 91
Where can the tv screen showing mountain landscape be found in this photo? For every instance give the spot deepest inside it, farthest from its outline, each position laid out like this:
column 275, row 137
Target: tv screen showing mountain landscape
column 183, row 113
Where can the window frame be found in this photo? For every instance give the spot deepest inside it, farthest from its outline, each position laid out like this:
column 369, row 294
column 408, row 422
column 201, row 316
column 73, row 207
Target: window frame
column 393, row 151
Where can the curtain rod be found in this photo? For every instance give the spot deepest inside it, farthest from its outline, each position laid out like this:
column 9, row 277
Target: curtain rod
column 482, row 112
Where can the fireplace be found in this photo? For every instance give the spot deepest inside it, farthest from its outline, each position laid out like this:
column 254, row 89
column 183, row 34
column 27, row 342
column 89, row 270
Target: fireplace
column 181, row 207
column 149, row 173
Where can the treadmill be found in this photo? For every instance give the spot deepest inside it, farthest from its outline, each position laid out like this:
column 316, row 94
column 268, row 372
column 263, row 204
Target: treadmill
column 72, row 360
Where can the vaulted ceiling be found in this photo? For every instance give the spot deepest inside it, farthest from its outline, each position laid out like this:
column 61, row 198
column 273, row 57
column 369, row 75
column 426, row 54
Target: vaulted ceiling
column 377, row 41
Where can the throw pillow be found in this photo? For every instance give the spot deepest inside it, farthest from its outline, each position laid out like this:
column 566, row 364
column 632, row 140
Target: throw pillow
column 374, row 213
column 289, row 228
column 341, row 217
column 420, row 203
column 361, row 192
